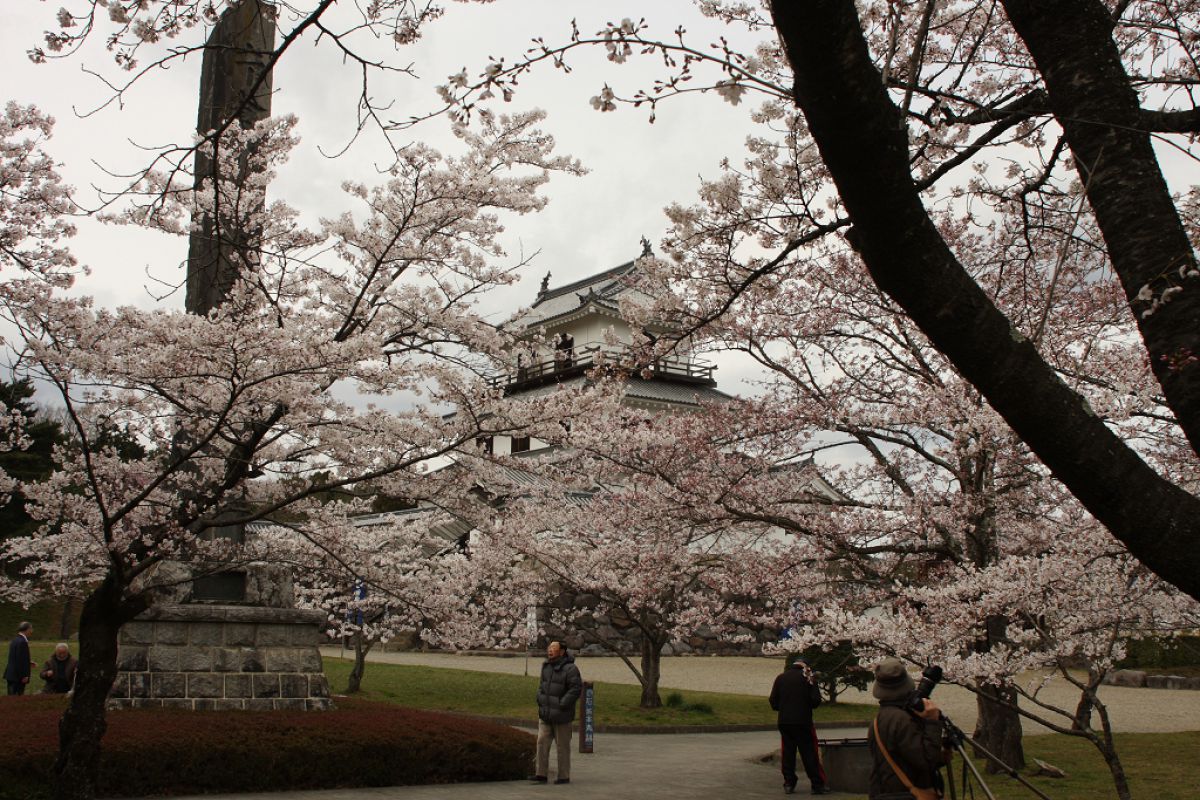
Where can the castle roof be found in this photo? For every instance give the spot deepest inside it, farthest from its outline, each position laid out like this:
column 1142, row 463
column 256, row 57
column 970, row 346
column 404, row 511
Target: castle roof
column 602, row 290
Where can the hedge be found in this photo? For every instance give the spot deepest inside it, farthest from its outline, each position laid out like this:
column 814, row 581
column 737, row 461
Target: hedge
column 177, row 752
column 1162, row 653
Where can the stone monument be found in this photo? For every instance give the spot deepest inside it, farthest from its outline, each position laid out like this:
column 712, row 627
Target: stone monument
column 235, row 84
column 230, row 639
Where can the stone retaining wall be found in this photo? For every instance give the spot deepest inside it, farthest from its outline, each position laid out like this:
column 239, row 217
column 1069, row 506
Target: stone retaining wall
column 1138, row 678
column 210, row 657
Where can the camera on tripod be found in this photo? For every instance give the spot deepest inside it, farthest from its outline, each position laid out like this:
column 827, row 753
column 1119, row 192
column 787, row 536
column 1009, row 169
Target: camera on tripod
column 954, row 738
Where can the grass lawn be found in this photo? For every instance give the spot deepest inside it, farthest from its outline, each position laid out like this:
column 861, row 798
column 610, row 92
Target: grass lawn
column 1159, row 766
column 46, row 617
column 500, row 695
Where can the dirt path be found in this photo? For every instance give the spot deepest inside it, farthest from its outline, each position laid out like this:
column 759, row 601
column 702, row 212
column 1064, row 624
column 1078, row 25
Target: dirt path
column 1131, row 710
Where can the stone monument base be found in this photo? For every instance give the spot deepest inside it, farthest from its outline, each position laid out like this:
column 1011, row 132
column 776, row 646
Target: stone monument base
column 221, row 657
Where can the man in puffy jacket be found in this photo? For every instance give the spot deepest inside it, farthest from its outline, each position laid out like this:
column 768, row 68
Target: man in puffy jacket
column 557, row 695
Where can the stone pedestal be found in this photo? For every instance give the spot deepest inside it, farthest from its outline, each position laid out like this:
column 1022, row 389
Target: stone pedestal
column 214, row 657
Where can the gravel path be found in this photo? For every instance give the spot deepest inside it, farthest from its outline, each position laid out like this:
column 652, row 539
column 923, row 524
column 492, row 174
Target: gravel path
column 1131, row 710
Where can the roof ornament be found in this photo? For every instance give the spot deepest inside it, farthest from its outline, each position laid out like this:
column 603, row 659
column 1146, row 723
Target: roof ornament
column 646, row 249
column 545, row 286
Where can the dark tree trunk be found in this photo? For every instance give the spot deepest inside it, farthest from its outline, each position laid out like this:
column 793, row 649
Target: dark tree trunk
column 999, row 727
column 1086, row 705
column 651, row 664
column 1090, row 93
column 862, row 138
column 1104, row 743
column 1117, row 770
column 361, row 647
column 67, row 620
column 83, row 724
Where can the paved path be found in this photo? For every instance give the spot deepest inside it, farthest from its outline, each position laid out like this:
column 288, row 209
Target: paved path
column 715, row 766
column 1131, row 710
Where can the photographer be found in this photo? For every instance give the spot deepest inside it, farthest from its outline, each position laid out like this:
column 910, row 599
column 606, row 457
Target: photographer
column 905, row 739
column 794, row 695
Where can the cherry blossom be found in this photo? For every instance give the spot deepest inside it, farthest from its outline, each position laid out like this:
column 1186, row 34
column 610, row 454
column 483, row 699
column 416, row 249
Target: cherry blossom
column 238, row 412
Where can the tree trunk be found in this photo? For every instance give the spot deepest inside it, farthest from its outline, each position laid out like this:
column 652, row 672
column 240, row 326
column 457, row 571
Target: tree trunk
column 1116, row 769
column 83, row 724
column 1097, row 104
column 361, row 647
column 65, row 622
column 1102, row 740
column 651, row 661
column 999, row 727
column 1083, row 710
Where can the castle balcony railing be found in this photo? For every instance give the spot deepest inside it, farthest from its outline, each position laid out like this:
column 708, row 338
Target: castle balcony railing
column 572, row 362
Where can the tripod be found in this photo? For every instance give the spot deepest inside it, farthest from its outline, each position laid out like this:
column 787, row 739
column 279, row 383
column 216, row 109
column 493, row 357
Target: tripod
column 955, row 737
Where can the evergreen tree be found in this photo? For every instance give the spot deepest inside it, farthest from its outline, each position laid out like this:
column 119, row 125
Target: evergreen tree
column 32, row 463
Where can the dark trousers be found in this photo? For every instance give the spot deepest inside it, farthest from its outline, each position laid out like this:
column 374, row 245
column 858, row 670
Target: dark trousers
column 16, row 688
column 804, row 739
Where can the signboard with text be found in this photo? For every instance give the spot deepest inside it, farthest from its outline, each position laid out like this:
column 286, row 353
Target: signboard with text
column 587, row 717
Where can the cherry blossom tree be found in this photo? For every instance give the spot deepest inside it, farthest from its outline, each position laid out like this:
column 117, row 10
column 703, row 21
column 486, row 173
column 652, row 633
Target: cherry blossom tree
column 1068, row 603
column 934, row 485
column 376, row 576
column 936, row 474
column 875, row 113
column 949, row 543
column 242, row 408
column 586, row 543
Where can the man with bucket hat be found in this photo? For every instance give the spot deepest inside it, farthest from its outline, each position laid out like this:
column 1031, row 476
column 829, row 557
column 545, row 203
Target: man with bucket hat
column 905, row 743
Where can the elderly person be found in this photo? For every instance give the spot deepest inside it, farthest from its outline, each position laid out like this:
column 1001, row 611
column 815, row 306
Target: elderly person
column 905, row 742
column 59, row 671
column 558, row 692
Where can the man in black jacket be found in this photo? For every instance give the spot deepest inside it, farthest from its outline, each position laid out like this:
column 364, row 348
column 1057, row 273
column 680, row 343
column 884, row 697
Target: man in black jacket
column 794, row 696
column 18, row 669
column 557, row 695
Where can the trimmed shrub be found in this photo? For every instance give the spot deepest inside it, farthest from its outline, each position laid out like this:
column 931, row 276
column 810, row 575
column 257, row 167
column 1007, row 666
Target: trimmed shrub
column 675, row 700
column 175, row 752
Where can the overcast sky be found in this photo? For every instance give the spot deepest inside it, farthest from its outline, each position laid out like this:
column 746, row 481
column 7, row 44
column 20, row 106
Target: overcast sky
column 592, row 223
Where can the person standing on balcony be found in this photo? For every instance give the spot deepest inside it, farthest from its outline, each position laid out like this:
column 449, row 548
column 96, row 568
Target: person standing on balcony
column 564, row 351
